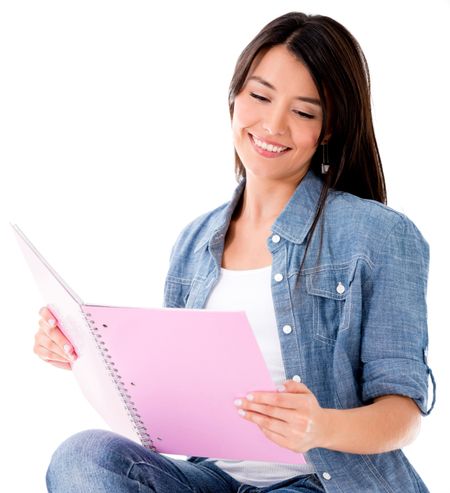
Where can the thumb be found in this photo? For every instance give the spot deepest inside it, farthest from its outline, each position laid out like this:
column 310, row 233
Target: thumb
column 296, row 387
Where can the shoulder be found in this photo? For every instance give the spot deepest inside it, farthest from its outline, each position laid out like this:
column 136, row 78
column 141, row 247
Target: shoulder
column 370, row 212
column 197, row 232
column 370, row 222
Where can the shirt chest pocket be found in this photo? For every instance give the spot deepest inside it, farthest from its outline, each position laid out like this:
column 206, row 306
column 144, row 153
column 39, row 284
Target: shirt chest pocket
column 329, row 292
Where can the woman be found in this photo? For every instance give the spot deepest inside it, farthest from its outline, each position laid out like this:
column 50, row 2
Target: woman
column 332, row 280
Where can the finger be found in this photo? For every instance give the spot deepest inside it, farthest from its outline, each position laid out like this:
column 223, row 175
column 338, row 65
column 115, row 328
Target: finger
column 56, row 335
column 275, row 425
column 48, row 349
column 280, row 440
column 48, row 355
column 272, row 435
column 293, row 419
column 296, row 387
column 46, row 314
column 275, row 412
column 46, row 327
column 43, row 311
column 280, row 432
column 279, row 399
column 64, row 366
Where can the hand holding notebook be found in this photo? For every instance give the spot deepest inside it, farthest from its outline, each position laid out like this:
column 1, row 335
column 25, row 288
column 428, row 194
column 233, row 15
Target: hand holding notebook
column 51, row 345
column 166, row 377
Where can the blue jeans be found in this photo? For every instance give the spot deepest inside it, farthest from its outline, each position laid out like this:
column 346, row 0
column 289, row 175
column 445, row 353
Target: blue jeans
column 99, row 461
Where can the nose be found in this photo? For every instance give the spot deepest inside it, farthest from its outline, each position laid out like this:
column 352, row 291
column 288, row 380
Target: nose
column 275, row 122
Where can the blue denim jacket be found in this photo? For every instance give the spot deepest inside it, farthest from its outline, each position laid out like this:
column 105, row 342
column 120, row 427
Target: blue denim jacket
column 358, row 312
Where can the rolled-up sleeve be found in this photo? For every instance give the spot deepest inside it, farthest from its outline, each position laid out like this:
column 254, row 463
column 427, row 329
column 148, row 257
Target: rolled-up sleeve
column 394, row 324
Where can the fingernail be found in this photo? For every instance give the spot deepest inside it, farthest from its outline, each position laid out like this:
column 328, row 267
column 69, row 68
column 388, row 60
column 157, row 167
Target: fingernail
column 281, row 388
column 69, row 351
column 238, row 402
column 51, row 322
column 250, row 397
column 241, row 412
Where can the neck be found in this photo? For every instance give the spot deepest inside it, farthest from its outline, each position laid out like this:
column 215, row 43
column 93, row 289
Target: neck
column 263, row 200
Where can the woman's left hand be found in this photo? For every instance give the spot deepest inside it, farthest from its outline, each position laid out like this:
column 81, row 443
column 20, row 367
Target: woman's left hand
column 291, row 418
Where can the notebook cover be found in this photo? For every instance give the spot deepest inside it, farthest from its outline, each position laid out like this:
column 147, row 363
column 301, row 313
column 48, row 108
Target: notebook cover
column 182, row 370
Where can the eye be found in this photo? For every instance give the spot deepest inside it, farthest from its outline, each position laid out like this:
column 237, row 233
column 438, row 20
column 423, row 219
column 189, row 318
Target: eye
column 304, row 115
column 300, row 113
column 257, row 96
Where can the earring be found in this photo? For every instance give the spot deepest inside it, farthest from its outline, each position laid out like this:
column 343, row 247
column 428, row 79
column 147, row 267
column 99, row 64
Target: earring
column 325, row 163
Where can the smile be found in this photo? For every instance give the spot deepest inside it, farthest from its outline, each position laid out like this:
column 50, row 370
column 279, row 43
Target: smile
column 267, row 150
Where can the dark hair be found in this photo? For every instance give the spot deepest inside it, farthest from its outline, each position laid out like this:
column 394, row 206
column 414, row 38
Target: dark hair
column 340, row 72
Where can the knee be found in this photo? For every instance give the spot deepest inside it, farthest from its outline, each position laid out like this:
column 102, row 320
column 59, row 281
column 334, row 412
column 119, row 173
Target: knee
column 78, row 458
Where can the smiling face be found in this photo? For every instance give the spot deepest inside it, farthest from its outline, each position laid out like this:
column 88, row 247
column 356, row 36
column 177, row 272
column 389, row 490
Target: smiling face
column 279, row 105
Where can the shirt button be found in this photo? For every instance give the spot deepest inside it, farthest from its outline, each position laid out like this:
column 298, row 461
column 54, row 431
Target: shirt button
column 297, row 378
column 326, row 475
column 340, row 288
column 278, row 277
column 276, row 238
column 287, row 329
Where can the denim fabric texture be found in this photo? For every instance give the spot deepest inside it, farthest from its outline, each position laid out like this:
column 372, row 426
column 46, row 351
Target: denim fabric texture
column 99, row 461
column 358, row 312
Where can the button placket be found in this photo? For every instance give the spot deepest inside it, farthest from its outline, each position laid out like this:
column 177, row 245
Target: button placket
column 287, row 326
column 278, row 277
column 287, row 329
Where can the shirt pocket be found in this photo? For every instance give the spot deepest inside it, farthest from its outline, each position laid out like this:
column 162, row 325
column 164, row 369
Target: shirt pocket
column 329, row 291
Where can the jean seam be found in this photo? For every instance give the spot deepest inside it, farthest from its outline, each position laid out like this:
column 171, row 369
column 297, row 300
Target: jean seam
column 159, row 469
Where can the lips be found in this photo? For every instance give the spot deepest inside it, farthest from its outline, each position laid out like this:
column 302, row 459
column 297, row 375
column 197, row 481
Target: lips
column 266, row 153
column 269, row 141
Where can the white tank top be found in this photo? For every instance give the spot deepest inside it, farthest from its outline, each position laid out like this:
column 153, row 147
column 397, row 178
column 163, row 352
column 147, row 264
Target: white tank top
column 250, row 290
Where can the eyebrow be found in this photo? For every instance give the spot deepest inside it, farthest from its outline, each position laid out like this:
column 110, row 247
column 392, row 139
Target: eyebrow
column 270, row 86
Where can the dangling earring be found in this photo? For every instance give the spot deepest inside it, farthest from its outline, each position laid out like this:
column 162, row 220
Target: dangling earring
column 325, row 163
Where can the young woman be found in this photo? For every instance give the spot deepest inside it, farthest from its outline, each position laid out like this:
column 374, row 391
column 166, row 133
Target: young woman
column 332, row 279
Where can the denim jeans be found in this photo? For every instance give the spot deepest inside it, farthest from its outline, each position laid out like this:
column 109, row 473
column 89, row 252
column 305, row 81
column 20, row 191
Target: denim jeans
column 100, row 461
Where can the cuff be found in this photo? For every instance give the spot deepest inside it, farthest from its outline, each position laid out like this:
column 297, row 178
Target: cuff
column 406, row 377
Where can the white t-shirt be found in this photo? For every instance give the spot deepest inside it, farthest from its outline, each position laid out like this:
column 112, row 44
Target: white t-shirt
column 250, row 290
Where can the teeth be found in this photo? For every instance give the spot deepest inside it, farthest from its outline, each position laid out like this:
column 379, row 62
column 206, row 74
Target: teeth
column 267, row 147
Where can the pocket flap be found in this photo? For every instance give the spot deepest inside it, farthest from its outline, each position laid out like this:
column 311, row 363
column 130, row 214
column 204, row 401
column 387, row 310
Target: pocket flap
column 331, row 282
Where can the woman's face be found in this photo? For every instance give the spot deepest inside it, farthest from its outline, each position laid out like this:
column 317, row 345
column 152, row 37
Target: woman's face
column 288, row 114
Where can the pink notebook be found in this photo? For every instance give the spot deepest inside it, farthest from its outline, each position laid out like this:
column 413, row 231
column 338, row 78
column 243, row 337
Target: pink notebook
column 164, row 377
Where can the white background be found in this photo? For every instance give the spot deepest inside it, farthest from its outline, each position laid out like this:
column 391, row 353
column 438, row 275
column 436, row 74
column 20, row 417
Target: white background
column 115, row 132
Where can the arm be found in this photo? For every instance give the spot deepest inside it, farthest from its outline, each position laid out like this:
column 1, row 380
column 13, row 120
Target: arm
column 390, row 423
column 294, row 419
column 394, row 380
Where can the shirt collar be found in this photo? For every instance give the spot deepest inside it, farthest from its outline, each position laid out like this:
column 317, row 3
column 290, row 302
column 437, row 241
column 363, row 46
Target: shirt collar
column 295, row 219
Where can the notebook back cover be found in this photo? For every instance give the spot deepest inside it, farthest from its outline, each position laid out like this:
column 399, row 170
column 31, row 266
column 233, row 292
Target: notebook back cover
column 89, row 369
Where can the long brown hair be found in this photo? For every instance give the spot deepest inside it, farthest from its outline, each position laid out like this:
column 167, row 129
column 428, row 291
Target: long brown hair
column 339, row 69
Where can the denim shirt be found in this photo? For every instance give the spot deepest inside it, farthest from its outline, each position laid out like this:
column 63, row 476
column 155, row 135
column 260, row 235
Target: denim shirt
column 357, row 312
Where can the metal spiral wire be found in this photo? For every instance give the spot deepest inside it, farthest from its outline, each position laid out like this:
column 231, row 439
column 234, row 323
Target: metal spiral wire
column 129, row 405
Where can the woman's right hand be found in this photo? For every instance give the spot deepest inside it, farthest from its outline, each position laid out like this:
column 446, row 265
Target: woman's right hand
column 50, row 343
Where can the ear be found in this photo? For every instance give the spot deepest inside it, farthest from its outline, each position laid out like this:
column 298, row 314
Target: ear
column 326, row 138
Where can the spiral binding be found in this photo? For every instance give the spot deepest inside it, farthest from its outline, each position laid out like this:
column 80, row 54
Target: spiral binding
column 129, row 405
